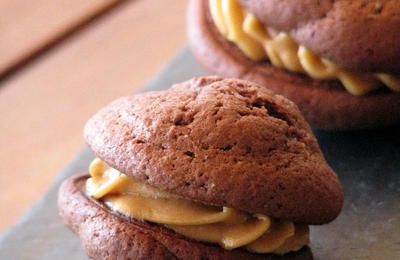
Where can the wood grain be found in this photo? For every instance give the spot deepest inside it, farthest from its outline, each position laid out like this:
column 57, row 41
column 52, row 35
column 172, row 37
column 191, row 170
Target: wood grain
column 31, row 27
column 44, row 105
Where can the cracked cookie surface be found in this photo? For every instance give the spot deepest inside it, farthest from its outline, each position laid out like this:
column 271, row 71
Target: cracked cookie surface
column 220, row 141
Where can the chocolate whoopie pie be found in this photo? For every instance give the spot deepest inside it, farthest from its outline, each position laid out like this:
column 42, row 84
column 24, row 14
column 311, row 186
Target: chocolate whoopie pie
column 339, row 61
column 210, row 169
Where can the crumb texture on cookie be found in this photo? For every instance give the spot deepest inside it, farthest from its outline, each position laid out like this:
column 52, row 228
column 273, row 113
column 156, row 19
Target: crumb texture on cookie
column 226, row 142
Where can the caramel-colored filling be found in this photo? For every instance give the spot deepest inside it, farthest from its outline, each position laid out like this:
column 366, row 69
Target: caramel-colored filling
column 260, row 42
column 225, row 226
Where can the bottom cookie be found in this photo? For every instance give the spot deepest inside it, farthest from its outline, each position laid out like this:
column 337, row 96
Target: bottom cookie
column 108, row 235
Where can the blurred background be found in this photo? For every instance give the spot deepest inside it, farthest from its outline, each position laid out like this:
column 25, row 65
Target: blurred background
column 61, row 61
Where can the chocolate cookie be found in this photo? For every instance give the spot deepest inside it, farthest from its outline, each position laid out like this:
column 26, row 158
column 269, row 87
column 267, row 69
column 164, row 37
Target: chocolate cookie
column 106, row 234
column 324, row 103
column 220, row 141
column 229, row 147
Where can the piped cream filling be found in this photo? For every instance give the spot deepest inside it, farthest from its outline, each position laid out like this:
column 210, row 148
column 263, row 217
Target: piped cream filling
column 225, row 226
column 260, row 42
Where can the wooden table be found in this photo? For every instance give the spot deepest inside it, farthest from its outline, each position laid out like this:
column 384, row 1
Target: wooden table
column 60, row 62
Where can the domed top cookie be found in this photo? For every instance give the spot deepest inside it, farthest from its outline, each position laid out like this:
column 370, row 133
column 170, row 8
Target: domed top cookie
column 220, row 141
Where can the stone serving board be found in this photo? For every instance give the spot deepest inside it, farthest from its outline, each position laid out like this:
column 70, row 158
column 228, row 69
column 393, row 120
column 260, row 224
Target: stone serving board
column 367, row 163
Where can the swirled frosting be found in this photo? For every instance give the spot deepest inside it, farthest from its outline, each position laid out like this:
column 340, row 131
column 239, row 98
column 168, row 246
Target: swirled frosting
column 225, row 226
column 260, row 42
